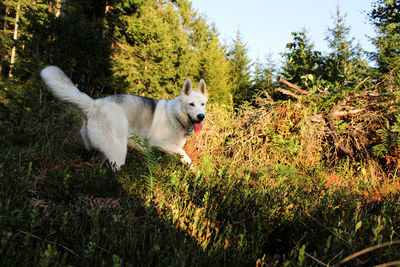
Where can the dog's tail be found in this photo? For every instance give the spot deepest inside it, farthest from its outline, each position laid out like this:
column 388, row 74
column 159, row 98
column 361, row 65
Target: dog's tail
column 63, row 88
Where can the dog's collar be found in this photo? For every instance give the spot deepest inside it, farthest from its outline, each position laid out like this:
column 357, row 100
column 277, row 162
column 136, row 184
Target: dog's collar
column 189, row 130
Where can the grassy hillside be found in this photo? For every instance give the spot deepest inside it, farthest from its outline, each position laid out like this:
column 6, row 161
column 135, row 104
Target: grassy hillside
column 270, row 188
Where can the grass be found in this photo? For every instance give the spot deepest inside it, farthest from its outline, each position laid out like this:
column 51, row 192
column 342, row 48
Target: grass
column 267, row 190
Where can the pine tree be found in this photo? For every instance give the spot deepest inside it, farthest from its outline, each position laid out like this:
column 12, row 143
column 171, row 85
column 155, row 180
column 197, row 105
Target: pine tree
column 345, row 64
column 159, row 45
column 73, row 37
column 209, row 54
column 264, row 74
column 386, row 18
column 240, row 71
column 12, row 14
column 214, row 68
column 152, row 53
column 143, row 47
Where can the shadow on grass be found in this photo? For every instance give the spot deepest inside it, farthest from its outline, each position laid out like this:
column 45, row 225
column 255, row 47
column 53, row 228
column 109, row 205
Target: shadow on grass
column 57, row 208
column 82, row 216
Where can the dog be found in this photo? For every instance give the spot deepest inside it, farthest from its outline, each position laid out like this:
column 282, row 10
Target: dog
column 109, row 122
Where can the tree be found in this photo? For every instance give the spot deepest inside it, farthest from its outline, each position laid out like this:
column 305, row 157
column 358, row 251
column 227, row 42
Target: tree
column 13, row 12
column 152, row 52
column 76, row 40
column 385, row 15
column 346, row 64
column 341, row 63
column 159, row 45
column 143, row 47
column 209, row 55
column 240, row 71
column 264, row 74
column 301, row 60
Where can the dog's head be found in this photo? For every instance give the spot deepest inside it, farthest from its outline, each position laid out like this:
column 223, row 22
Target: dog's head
column 194, row 103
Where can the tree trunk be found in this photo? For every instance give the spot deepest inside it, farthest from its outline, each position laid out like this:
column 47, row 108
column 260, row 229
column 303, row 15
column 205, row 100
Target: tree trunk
column 5, row 20
column 4, row 31
column 15, row 37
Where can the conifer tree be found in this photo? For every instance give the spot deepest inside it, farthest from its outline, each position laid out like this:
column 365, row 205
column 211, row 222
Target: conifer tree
column 12, row 14
column 209, row 55
column 345, row 64
column 159, row 45
column 74, row 38
column 386, row 18
column 152, row 51
column 264, row 74
column 240, row 71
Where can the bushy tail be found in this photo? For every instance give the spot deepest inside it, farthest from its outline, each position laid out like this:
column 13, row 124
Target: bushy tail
column 63, row 88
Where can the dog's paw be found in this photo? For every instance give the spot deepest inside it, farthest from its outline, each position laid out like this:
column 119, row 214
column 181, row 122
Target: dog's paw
column 190, row 167
column 187, row 161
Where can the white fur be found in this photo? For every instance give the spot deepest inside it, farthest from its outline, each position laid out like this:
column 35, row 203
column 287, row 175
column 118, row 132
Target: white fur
column 109, row 122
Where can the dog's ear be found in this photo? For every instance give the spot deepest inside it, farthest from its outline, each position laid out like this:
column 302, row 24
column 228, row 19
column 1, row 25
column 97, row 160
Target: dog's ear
column 187, row 87
column 202, row 88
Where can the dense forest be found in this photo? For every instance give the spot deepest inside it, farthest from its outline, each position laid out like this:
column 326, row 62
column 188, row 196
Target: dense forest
column 297, row 164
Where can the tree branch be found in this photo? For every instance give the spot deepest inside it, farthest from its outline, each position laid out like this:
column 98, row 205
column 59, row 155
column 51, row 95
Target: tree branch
column 295, row 87
column 287, row 92
column 345, row 113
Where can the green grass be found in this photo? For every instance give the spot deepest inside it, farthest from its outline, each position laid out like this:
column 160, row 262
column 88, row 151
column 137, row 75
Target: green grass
column 59, row 208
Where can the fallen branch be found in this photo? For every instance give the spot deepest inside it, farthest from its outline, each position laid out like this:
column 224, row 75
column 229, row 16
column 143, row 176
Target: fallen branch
column 346, row 113
column 287, row 92
column 295, row 87
column 362, row 82
column 364, row 251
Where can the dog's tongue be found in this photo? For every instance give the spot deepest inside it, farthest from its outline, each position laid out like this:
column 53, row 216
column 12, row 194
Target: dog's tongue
column 197, row 126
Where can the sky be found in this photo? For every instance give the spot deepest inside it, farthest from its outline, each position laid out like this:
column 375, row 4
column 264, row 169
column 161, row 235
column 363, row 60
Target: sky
column 266, row 25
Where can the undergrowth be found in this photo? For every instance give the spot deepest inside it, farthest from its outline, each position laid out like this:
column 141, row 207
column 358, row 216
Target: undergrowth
column 267, row 189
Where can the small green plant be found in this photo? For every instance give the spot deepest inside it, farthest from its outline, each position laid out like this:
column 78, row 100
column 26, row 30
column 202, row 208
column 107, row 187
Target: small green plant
column 49, row 257
column 389, row 139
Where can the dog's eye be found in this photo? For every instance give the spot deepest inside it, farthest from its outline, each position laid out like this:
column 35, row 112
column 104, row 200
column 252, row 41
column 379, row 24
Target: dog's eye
column 202, row 104
column 192, row 104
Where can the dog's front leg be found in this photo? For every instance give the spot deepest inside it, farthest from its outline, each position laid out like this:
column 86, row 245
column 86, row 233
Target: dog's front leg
column 174, row 149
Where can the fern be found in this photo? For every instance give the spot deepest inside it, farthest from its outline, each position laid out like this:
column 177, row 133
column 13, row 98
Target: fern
column 390, row 139
column 150, row 156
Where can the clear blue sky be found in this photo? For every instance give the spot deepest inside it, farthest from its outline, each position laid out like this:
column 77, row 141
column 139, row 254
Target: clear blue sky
column 266, row 25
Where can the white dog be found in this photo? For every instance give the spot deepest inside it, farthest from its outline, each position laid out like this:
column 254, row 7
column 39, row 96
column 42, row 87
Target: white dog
column 109, row 122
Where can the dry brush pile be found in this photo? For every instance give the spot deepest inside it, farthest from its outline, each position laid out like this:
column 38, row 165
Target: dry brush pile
column 306, row 136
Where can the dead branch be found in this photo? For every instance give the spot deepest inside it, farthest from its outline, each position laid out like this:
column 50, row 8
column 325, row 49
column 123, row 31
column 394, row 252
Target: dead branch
column 369, row 249
column 347, row 113
column 362, row 82
column 287, row 92
column 295, row 87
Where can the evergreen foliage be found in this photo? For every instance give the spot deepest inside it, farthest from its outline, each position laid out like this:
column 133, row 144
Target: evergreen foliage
column 342, row 68
column 209, row 54
column 345, row 64
column 264, row 75
column 240, row 71
column 385, row 15
column 301, row 59
column 138, row 46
